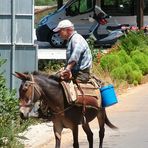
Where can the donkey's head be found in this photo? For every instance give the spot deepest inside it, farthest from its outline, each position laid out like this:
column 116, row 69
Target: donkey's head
column 29, row 95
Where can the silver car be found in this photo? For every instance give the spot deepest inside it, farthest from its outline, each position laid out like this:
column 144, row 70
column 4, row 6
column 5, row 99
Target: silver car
column 80, row 12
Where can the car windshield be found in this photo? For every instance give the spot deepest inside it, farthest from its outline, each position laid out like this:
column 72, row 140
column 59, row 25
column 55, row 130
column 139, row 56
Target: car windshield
column 86, row 5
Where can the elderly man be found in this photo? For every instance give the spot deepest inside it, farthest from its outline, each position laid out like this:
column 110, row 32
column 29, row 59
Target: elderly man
column 78, row 54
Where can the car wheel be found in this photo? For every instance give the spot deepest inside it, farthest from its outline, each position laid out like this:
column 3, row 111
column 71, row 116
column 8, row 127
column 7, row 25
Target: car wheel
column 56, row 41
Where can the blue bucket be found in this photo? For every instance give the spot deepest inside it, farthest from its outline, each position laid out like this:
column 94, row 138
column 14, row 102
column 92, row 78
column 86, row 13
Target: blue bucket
column 108, row 95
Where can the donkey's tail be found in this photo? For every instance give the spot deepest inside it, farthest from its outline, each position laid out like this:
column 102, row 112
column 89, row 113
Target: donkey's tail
column 108, row 123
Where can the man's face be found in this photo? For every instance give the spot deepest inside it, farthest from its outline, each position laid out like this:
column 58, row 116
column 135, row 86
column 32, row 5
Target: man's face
column 64, row 33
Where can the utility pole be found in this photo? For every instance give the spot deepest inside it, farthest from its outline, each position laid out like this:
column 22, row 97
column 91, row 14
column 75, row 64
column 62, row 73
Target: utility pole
column 140, row 13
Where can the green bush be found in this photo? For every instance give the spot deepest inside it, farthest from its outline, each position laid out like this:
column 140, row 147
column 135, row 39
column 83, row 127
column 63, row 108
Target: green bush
column 44, row 2
column 124, row 57
column 109, row 62
column 145, row 51
column 9, row 116
column 118, row 74
column 134, row 66
column 137, row 77
column 128, row 42
column 52, row 65
column 129, row 62
column 141, row 60
column 131, row 71
column 133, row 41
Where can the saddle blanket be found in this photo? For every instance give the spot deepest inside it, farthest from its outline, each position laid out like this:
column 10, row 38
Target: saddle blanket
column 87, row 93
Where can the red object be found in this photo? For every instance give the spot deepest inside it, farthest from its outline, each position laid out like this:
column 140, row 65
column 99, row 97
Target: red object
column 103, row 21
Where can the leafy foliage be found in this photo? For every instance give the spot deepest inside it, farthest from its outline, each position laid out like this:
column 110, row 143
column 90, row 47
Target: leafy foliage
column 94, row 51
column 50, row 65
column 110, row 61
column 130, row 60
column 44, row 2
column 118, row 74
column 141, row 60
column 133, row 41
column 124, row 57
column 9, row 115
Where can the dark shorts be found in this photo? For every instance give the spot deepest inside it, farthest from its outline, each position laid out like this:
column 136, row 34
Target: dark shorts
column 82, row 75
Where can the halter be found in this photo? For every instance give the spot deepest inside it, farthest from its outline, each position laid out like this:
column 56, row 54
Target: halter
column 34, row 87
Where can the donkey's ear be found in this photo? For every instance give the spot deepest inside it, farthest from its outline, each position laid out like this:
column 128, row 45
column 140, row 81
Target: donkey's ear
column 21, row 76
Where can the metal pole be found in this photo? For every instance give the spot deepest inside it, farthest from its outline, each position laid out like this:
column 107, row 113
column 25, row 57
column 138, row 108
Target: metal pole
column 140, row 8
column 32, row 21
column 13, row 40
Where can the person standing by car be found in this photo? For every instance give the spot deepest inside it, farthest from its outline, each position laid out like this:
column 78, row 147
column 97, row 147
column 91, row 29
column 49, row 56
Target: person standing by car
column 78, row 54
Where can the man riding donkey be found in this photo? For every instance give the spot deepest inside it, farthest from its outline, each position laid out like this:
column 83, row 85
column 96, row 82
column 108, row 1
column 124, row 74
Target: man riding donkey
column 47, row 93
column 78, row 60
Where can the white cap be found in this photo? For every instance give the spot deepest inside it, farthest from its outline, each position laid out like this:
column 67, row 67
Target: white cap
column 63, row 24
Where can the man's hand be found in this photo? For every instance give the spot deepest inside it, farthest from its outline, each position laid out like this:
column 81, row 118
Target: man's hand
column 66, row 74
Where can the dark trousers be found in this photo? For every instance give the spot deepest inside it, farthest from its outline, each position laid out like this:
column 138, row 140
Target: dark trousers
column 82, row 75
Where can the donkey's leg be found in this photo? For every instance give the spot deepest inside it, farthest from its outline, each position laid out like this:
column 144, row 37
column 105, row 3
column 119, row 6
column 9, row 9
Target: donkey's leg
column 89, row 134
column 75, row 136
column 57, row 133
column 101, row 121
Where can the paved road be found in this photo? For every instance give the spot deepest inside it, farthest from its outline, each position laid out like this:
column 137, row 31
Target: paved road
column 131, row 117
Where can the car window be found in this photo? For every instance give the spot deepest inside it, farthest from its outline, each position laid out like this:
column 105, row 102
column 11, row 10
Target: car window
column 86, row 5
column 119, row 8
column 80, row 6
column 74, row 9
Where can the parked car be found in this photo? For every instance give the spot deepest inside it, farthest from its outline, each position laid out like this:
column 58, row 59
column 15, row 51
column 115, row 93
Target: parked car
column 81, row 12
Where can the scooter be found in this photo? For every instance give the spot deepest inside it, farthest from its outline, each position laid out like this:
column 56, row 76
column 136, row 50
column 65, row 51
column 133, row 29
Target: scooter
column 114, row 32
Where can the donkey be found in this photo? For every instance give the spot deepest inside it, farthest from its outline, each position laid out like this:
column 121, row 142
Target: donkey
column 48, row 91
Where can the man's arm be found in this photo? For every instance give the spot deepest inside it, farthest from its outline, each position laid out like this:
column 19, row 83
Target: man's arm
column 70, row 65
column 66, row 73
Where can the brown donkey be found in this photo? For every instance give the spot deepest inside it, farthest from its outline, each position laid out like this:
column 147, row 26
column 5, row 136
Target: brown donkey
column 48, row 92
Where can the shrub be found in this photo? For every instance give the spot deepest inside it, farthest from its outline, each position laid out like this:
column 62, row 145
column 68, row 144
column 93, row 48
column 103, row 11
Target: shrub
column 134, row 41
column 132, row 72
column 50, row 65
column 134, row 66
column 9, row 115
column 124, row 57
column 45, row 2
column 141, row 60
column 145, row 51
column 118, row 74
column 94, row 51
column 128, row 42
column 137, row 77
column 109, row 62
column 129, row 73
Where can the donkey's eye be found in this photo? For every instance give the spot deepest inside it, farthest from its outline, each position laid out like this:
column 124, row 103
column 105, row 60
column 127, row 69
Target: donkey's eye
column 26, row 86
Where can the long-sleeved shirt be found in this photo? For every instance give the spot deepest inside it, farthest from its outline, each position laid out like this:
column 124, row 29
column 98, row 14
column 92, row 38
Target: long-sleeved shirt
column 78, row 51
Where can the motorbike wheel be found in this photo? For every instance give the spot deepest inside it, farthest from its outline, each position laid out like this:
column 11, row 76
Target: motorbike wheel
column 56, row 41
